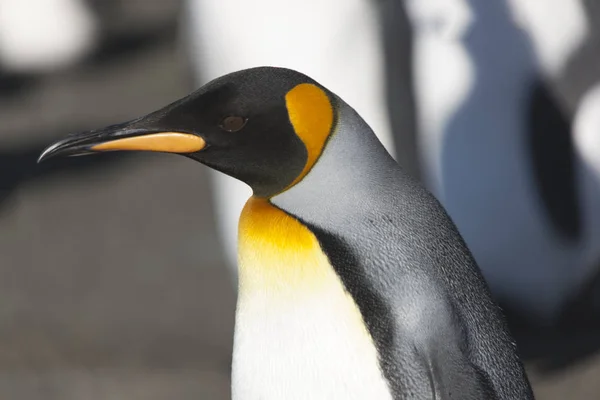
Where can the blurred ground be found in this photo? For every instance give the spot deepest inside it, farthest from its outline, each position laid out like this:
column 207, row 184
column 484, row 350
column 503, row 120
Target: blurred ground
column 111, row 279
column 112, row 284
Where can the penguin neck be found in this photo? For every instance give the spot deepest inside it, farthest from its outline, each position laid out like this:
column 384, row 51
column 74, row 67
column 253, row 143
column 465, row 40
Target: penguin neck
column 353, row 160
column 353, row 174
column 353, row 152
column 268, row 235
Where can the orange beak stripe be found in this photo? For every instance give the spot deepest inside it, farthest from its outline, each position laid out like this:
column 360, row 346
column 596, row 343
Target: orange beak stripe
column 167, row 142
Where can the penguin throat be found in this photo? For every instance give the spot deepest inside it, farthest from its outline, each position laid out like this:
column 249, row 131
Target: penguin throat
column 276, row 251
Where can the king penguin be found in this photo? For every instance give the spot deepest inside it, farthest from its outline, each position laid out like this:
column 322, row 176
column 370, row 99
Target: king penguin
column 353, row 281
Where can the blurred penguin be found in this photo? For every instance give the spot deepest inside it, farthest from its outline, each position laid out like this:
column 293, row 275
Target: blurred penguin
column 39, row 36
column 509, row 134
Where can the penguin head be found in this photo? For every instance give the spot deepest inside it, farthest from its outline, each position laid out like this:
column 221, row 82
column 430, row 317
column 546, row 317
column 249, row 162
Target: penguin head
column 264, row 126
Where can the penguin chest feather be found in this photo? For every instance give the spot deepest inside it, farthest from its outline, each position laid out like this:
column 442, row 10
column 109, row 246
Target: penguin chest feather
column 299, row 334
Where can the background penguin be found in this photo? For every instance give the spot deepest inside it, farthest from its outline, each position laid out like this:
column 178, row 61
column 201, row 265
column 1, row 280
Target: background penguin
column 45, row 35
column 354, row 283
column 509, row 144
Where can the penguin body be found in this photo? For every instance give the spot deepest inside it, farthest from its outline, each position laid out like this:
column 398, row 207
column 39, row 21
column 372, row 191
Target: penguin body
column 354, row 282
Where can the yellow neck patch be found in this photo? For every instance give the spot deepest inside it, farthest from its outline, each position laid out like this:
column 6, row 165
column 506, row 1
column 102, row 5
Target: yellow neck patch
column 276, row 252
column 311, row 114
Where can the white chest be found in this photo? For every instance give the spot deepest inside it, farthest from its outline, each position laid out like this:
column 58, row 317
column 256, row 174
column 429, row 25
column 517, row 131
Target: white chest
column 304, row 347
column 298, row 334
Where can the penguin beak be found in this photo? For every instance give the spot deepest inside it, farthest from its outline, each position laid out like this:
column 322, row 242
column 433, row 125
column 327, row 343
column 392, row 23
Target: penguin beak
column 124, row 137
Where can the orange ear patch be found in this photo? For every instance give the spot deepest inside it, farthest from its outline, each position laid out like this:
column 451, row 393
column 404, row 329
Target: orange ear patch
column 311, row 114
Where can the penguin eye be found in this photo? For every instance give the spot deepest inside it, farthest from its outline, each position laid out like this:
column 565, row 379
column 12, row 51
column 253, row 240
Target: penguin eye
column 232, row 123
